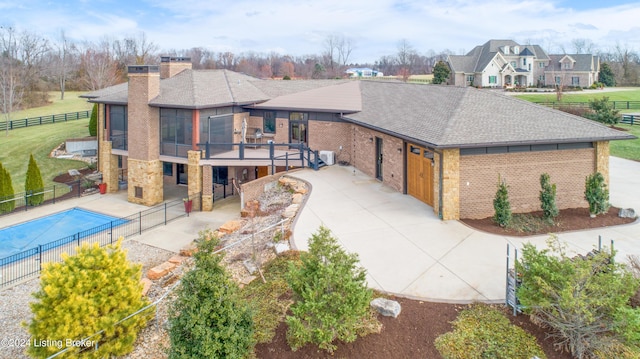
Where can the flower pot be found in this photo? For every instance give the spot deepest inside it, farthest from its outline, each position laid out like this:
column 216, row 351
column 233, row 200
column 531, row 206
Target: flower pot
column 103, row 188
column 188, row 205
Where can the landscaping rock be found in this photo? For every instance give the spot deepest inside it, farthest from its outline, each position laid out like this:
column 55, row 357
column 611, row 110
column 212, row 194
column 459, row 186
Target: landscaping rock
column 301, row 188
column 230, row 227
column 627, row 213
column 146, row 285
column 386, row 307
column 250, row 266
column 189, row 250
column 290, row 211
column 250, row 210
column 160, row 271
column 297, row 198
column 281, row 247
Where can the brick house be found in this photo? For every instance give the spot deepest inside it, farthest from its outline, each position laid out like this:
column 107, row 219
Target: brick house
column 500, row 63
column 444, row 145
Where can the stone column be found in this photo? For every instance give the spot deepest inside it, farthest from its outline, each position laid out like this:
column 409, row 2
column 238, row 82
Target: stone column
column 145, row 182
column 207, row 188
column 450, row 184
column 108, row 166
column 194, row 179
column 602, row 159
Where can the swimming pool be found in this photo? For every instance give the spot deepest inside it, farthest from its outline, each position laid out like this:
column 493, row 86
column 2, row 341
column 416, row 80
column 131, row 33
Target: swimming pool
column 26, row 235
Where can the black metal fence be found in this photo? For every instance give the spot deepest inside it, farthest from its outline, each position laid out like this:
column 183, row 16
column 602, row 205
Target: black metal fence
column 42, row 120
column 49, row 195
column 618, row 105
column 630, row 119
column 28, row 263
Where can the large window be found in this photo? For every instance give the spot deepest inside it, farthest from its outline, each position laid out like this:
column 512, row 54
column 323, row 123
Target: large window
column 493, row 80
column 217, row 130
column 269, row 122
column 176, row 132
column 118, row 127
column 575, row 81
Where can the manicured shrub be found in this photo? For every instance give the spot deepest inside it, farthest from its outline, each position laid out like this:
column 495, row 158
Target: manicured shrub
column 84, row 294
column 596, row 194
column 93, row 121
column 603, row 111
column 501, row 205
column 209, row 319
column 33, row 183
column 548, row 198
column 584, row 301
column 481, row 331
column 330, row 294
column 6, row 191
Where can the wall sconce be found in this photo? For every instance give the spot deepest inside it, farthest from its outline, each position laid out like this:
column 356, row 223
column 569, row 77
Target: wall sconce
column 235, row 131
column 280, row 124
column 370, row 139
column 399, row 150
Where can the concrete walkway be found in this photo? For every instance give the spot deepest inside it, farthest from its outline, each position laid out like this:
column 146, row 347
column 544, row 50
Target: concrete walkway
column 408, row 251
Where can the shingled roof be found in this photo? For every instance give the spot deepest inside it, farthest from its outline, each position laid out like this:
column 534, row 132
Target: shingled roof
column 436, row 116
column 479, row 57
column 450, row 117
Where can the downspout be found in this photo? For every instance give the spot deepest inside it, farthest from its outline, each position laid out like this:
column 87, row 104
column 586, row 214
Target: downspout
column 440, row 174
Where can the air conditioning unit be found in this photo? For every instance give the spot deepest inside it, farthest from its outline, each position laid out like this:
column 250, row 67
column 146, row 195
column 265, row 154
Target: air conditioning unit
column 327, row 157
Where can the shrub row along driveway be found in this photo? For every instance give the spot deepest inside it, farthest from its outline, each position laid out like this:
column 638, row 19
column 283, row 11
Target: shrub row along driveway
column 408, row 251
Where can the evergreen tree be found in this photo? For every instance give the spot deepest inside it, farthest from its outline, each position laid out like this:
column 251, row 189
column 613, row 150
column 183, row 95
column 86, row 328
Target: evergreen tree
column 330, row 293
column 501, row 204
column 84, row 294
column 208, row 318
column 548, row 198
column 606, row 75
column 603, row 111
column 33, row 183
column 93, row 121
column 6, row 191
column 596, row 194
column 441, row 72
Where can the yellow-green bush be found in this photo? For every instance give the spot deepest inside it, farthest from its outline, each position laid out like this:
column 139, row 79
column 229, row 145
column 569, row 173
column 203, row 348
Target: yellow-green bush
column 483, row 332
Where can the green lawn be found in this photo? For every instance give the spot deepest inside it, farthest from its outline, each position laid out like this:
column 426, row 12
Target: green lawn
column 39, row 140
column 625, row 94
column 629, row 149
column 71, row 103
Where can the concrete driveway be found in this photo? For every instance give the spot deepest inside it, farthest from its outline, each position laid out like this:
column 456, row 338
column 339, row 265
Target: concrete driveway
column 408, row 251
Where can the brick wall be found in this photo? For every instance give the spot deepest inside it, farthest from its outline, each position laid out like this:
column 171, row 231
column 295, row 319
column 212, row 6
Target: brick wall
column 330, row 136
column 479, row 179
column 207, row 188
column 364, row 153
column 144, row 121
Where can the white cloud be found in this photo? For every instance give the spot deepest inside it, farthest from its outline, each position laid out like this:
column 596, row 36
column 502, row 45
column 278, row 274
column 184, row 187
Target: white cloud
column 299, row 27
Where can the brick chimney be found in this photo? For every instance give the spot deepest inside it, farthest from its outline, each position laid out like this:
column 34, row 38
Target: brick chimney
column 144, row 166
column 172, row 65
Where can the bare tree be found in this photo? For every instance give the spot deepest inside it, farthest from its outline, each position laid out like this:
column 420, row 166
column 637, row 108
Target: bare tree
column 627, row 59
column 10, row 74
column 98, row 68
column 344, row 47
column 405, row 58
column 63, row 60
column 583, row 46
column 21, row 59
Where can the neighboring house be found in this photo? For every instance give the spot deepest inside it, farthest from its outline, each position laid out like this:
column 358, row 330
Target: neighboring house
column 363, row 72
column 444, row 145
column 505, row 63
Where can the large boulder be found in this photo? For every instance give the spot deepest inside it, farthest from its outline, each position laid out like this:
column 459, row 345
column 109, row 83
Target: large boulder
column 627, row 213
column 386, row 307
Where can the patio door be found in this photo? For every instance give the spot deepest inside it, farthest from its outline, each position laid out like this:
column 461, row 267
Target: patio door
column 420, row 173
column 298, row 122
column 182, row 174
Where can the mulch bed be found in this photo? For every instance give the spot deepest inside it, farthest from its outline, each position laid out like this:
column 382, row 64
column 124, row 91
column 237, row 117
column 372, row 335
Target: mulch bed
column 411, row 335
column 568, row 220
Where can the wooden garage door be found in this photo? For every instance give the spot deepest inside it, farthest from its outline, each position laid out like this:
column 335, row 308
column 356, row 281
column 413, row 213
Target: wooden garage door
column 420, row 173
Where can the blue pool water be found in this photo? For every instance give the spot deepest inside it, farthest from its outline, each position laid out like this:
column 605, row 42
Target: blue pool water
column 23, row 236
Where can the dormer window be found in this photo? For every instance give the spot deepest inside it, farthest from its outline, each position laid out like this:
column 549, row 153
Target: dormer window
column 516, row 50
column 506, row 50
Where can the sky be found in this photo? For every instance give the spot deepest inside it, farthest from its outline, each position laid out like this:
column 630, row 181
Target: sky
column 300, row 27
